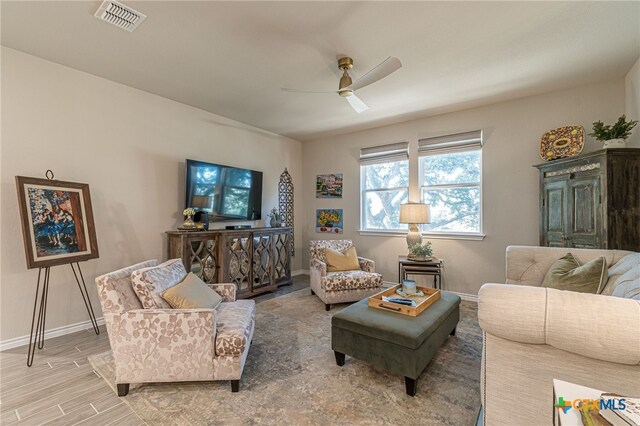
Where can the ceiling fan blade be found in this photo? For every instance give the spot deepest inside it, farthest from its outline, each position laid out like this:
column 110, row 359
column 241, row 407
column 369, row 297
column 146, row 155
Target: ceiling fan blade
column 305, row 91
column 388, row 66
column 357, row 104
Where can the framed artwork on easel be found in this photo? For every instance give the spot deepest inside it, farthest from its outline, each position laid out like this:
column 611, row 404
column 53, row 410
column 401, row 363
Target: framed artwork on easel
column 58, row 229
column 57, row 222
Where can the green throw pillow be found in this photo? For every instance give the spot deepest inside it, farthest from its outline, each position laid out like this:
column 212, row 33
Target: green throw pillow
column 191, row 293
column 567, row 274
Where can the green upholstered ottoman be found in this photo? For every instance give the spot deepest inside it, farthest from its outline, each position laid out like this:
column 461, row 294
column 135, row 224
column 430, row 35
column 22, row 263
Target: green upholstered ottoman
column 394, row 342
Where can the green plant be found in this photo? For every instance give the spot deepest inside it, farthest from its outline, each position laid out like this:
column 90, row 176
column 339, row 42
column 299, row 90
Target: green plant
column 274, row 215
column 421, row 249
column 620, row 130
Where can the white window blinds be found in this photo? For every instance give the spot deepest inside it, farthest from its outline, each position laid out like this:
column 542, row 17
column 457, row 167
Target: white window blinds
column 385, row 153
column 459, row 141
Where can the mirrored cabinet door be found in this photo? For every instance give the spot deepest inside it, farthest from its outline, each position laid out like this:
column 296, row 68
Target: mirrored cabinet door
column 256, row 260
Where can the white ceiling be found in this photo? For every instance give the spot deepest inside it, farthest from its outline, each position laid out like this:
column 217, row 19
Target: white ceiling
column 232, row 58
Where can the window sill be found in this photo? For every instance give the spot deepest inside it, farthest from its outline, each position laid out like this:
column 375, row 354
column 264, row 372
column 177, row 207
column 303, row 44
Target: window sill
column 442, row 236
column 383, row 233
column 453, row 236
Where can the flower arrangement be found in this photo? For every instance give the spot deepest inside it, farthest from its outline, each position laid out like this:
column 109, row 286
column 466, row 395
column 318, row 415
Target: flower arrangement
column 421, row 250
column 188, row 221
column 326, row 218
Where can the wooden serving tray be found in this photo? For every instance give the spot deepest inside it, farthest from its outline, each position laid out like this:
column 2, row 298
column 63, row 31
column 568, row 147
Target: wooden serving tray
column 431, row 295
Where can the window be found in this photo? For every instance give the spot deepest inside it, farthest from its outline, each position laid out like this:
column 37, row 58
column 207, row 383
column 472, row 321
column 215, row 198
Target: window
column 384, row 174
column 451, row 182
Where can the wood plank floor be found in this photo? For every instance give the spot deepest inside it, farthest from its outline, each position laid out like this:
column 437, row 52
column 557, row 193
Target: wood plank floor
column 61, row 388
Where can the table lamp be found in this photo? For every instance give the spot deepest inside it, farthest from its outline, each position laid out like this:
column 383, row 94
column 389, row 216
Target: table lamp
column 414, row 214
column 201, row 202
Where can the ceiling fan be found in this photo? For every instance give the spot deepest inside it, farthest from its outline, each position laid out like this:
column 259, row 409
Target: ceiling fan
column 347, row 87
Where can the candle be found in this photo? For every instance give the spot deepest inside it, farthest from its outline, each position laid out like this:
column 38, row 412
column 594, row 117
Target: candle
column 409, row 287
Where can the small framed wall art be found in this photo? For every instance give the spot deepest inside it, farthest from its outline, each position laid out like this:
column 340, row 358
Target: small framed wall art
column 57, row 222
column 329, row 186
column 329, row 220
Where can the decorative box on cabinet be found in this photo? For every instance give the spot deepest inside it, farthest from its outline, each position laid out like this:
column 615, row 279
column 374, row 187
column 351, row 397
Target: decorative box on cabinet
column 591, row 201
column 256, row 260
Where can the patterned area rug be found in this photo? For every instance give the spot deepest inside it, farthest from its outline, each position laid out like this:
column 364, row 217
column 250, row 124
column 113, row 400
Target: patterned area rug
column 291, row 377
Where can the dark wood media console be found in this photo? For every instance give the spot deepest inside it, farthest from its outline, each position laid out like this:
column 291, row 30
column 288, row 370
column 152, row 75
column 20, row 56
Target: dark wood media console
column 257, row 260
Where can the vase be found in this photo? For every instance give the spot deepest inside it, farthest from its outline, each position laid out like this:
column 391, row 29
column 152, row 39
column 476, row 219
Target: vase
column 188, row 222
column 275, row 223
column 614, row 143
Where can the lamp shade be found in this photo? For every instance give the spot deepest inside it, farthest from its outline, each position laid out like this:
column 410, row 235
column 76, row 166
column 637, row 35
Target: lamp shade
column 415, row 213
column 201, row 201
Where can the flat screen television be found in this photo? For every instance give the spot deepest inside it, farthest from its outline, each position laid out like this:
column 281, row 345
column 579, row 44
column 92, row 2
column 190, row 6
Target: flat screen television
column 224, row 192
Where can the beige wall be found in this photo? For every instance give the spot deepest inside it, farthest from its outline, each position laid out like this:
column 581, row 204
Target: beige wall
column 512, row 132
column 632, row 102
column 130, row 147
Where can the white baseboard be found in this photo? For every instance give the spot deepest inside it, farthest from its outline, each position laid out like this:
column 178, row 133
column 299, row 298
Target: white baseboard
column 54, row 332
column 300, row 272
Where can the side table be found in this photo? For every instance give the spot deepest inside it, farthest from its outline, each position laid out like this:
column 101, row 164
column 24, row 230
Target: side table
column 432, row 266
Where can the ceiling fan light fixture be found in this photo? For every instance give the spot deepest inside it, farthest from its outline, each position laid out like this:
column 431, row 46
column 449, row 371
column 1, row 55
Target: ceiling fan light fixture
column 345, row 81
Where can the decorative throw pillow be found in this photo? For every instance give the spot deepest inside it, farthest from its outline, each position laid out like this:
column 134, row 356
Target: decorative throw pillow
column 567, row 274
column 336, row 261
column 611, row 283
column 628, row 289
column 627, row 269
column 148, row 283
column 116, row 290
column 623, row 265
column 191, row 293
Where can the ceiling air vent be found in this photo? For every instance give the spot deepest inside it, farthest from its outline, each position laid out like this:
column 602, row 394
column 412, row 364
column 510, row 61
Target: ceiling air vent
column 119, row 15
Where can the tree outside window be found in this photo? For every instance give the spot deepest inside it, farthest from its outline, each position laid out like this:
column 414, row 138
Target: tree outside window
column 384, row 186
column 450, row 182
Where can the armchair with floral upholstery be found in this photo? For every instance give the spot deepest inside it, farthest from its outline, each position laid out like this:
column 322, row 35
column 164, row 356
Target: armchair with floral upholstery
column 170, row 345
column 343, row 286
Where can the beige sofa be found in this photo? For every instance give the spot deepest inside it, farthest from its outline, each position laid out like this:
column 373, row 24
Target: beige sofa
column 533, row 335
